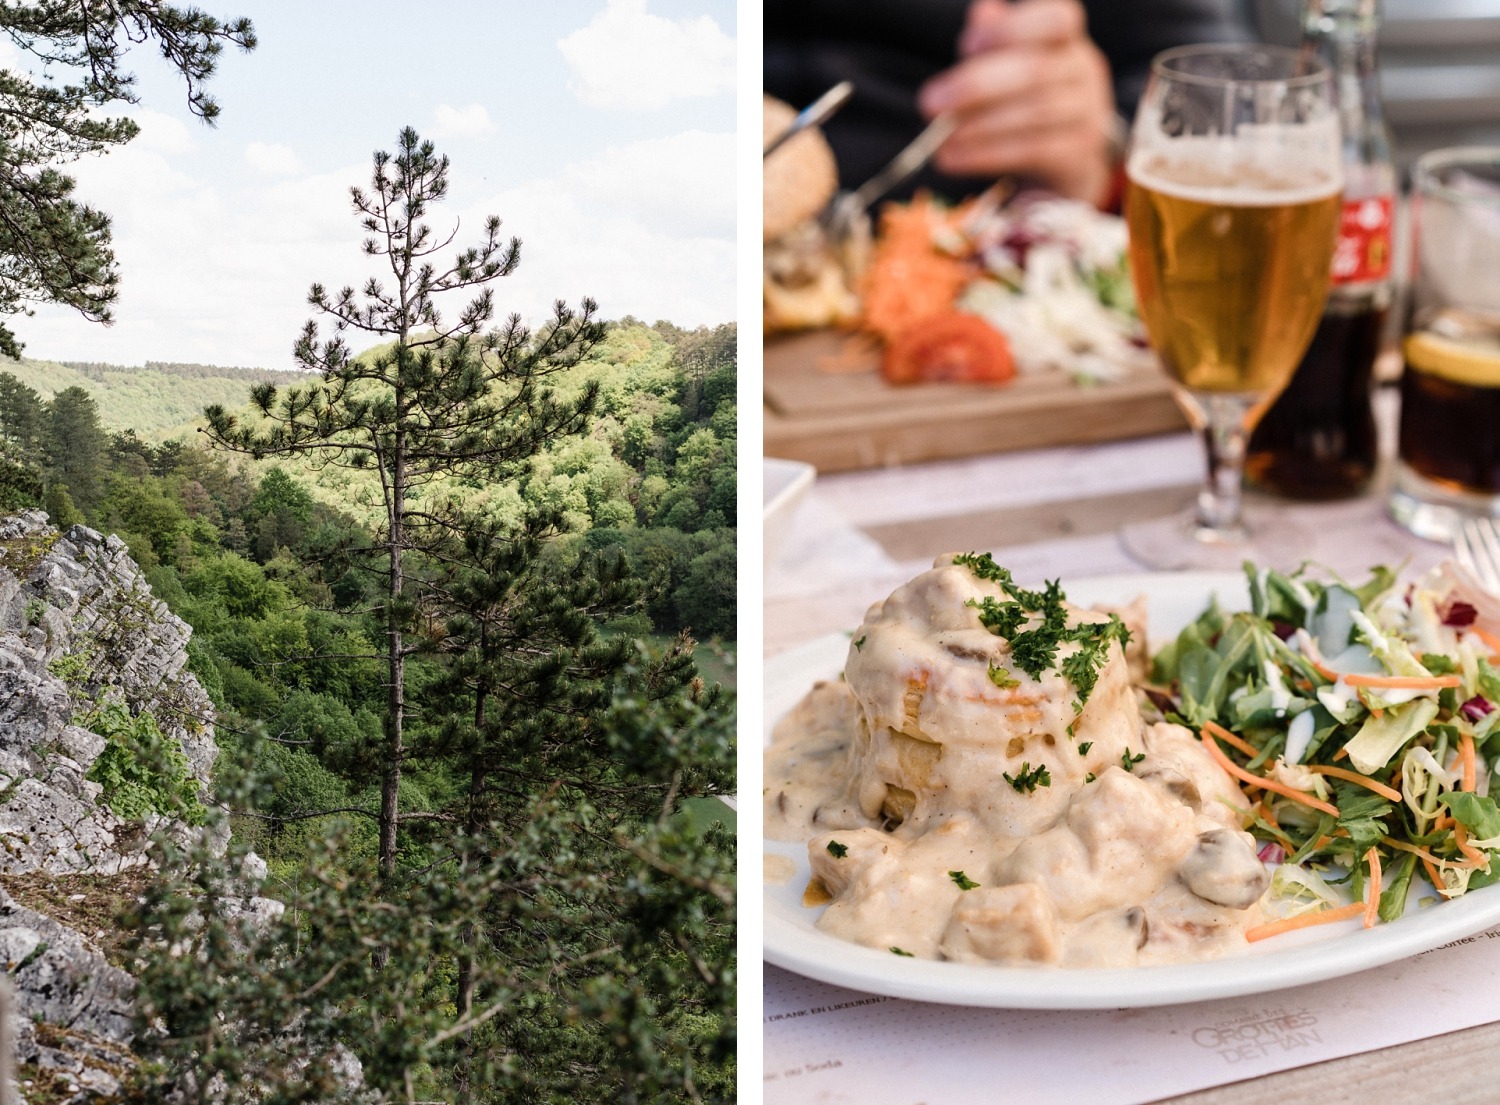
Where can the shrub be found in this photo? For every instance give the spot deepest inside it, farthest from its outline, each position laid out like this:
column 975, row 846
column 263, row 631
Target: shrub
column 141, row 769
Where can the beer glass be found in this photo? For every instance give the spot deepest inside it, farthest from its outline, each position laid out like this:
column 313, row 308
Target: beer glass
column 1233, row 188
column 1448, row 463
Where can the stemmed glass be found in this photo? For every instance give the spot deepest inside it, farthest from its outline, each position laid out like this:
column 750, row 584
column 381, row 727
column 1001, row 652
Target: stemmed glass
column 1233, row 194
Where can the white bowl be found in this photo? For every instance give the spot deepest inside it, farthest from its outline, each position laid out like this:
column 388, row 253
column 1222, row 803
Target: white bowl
column 786, row 484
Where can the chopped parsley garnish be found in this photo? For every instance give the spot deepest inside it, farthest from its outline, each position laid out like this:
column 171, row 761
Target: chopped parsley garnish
column 963, row 881
column 1036, row 625
column 1001, row 677
column 897, row 951
column 837, row 850
column 1027, row 780
column 1128, row 761
column 1082, row 667
column 859, row 645
column 1083, row 749
column 1090, row 777
column 1002, row 619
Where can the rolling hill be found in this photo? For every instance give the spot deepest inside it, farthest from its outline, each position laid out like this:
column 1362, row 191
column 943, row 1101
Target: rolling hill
column 158, row 400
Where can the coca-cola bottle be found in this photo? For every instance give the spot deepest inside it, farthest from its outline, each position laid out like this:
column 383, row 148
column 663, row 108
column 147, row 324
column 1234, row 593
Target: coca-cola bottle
column 1318, row 439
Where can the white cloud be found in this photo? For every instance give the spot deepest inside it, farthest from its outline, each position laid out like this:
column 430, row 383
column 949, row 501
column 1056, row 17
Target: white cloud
column 217, row 275
column 160, row 133
column 218, row 272
column 627, row 59
column 462, row 122
column 272, row 159
column 681, row 185
column 645, row 229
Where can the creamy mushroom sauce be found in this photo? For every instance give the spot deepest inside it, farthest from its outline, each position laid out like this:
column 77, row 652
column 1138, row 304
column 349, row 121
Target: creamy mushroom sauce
column 900, row 766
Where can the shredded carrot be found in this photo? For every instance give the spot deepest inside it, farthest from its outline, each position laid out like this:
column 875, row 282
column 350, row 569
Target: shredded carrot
column 1306, row 920
column 1402, row 846
column 1268, row 815
column 1256, row 780
column 1372, row 895
column 1440, row 822
column 1354, row 777
column 1364, row 700
column 1341, row 754
column 1486, row 636
column 1466, row 754
column 1230, row 739
column 1403, row 682
column 908, row 279
column 1461, row 838
column 1433, row 876
column 1323, row 669
column 1428, row 858
column 1392, row 682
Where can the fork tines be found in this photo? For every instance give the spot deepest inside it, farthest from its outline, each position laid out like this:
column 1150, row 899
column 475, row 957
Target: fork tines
column 1477, row 547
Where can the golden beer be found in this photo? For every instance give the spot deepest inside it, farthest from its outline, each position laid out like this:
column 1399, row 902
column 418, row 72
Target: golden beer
column 1230, row 268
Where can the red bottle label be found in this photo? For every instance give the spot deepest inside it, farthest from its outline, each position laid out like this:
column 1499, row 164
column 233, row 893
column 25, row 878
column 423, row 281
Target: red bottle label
column 1363, row 253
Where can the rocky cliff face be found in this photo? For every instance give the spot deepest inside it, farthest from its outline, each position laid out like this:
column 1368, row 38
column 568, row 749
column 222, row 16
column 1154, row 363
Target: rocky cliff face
column 79, row 629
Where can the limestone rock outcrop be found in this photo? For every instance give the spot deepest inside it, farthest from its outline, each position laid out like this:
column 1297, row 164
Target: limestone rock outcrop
column 79, row 628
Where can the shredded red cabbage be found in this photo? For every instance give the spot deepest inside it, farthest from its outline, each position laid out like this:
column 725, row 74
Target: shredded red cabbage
column 1460, row 613
column 1271, row 852
column 1476, row 707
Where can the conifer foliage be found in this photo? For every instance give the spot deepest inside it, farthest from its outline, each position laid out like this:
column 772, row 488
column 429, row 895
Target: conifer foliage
column 446, row 399
column 54, row 249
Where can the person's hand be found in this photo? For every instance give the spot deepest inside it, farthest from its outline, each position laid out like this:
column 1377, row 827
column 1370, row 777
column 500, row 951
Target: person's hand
column 1032, row 95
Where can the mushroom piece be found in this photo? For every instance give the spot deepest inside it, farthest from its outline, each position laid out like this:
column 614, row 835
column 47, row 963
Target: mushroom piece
column 1223, row 868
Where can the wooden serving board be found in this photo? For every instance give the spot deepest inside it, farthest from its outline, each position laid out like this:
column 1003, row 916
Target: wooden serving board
column 826, row 404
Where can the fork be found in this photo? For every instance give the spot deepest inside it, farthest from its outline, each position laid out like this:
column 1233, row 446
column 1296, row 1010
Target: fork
column 842, row 213
column 1477, row 547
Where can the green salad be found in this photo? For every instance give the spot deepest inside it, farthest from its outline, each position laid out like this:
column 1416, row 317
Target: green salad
column 1364, row 720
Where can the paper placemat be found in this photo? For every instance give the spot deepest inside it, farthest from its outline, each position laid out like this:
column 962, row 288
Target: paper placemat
column 825, row 1045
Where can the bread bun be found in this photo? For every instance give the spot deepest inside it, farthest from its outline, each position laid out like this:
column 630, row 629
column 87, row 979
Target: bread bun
column 799, row 178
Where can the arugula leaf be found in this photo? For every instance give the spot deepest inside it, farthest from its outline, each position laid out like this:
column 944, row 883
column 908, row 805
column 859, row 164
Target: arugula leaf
column 1396, row 882
column 1475, row 812
column 1362, row 814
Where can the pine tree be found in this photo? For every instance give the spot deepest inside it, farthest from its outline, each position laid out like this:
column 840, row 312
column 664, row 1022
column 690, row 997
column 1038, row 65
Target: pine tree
column 23, row 420
column 54, row 249
column 76, row 446
column 444, row 399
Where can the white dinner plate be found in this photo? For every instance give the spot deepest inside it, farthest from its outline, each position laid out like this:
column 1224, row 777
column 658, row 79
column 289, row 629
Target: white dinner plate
column 1296, row 958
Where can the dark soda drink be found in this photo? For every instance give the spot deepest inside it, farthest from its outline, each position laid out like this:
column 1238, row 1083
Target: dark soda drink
column 1450, row 406
column 1318, row 441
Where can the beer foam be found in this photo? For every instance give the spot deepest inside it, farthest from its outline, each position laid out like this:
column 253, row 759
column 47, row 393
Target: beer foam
column 1256, row 165
column 1208, row 176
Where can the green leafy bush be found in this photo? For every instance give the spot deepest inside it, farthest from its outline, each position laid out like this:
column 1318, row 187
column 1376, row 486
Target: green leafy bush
column 141, row 769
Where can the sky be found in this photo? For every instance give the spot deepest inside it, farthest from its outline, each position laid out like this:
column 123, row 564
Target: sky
column 601, row 132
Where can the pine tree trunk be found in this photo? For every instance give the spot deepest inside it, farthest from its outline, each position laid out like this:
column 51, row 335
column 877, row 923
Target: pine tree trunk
column 465, row 995
column 395, row 749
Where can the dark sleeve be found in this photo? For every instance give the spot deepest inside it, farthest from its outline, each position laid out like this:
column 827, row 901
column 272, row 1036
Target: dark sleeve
column 1131, row 34
column 889, row 48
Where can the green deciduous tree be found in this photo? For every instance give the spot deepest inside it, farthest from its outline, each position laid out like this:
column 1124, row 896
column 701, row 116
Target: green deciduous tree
column 445, row 399
column 54, row 249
